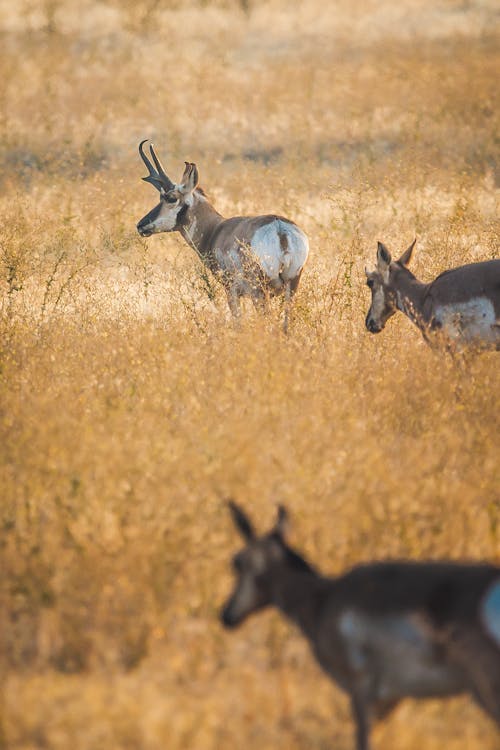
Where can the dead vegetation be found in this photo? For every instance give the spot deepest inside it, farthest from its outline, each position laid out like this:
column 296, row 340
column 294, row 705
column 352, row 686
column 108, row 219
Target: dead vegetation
column 130, row 407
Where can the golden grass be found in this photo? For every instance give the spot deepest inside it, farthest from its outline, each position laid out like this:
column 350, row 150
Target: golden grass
column 130, row 406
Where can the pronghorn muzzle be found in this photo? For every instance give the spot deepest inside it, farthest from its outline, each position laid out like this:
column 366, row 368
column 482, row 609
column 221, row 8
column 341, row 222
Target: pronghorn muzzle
column 228, row 617
column 372, row 325
column 145, row 226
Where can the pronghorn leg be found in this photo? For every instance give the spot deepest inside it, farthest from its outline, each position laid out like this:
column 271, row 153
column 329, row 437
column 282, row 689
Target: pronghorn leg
column 361, row 715
column 233, row 300
column 290, row 289
column 480, row 661
column 462, row 361
column 288, row 302
column 294, row 283
column 261, row 302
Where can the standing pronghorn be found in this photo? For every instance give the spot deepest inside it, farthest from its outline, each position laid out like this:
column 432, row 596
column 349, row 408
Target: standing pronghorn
column 383, row 631
column 252, row 256
column 460, row 308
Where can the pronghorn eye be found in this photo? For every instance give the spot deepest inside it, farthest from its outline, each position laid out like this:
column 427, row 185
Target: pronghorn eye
column 370, row 283
column 170, row 198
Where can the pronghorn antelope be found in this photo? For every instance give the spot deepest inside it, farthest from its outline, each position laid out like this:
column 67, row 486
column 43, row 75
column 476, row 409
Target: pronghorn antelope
column 460, row 308
column 383, row 631
column 256, row 256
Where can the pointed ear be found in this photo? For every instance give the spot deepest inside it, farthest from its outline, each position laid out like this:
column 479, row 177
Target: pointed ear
column 241, row 521
column 189, row 179
column 383, row 260
column 383, row 256
column 282, row 521
column 406, row 257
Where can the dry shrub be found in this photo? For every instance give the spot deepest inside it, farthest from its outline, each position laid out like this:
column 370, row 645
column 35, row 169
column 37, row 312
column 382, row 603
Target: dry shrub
column 130, row 405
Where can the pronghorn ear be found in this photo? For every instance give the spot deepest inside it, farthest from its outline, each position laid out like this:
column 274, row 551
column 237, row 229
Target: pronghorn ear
column 383, row 260
column 383, row 255
column 282, row 521
column 189, row 178
column 406, row 257
column 241, row 521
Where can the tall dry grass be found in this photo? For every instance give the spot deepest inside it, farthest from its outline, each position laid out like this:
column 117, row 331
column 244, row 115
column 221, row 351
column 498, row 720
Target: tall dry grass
column 130, row 406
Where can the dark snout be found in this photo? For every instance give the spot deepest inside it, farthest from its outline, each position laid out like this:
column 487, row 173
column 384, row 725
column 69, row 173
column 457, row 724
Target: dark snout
column 143, row 231
column 227, row 616
column 371, row 325
column 145, row 225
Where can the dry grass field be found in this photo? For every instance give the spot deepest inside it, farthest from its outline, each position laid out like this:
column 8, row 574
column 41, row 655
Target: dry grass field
column 130, row 406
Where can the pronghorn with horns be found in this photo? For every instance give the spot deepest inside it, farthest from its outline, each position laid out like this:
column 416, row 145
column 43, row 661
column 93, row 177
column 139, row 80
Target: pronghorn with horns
column 256, row 257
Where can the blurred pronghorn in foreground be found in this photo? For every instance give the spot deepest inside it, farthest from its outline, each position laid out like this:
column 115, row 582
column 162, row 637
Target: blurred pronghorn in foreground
column 460, row 308
column 256, row 257
column 382, row 631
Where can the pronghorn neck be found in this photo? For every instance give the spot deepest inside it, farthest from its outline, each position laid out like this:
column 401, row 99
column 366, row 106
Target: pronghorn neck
column 296, row 590
column 198, row 224
column 410, row 295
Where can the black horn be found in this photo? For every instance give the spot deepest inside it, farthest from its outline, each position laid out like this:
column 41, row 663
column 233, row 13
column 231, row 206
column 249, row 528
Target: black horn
column 157, row 179
column 167, row 182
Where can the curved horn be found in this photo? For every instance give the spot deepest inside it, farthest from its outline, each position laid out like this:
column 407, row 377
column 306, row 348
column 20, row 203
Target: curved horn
column 153, row 178
column 167, row 182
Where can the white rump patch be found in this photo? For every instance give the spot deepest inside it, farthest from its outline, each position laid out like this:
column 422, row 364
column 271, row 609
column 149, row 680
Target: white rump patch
column 472, row 321
column 276, row 262
column 490, row 610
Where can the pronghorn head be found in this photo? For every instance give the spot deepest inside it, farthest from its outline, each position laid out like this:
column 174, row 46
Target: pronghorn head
column 175, row 199
column 258, row 566
column 381, row 283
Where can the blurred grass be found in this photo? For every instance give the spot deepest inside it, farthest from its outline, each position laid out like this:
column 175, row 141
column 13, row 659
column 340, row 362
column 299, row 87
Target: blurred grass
column 130, row 407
